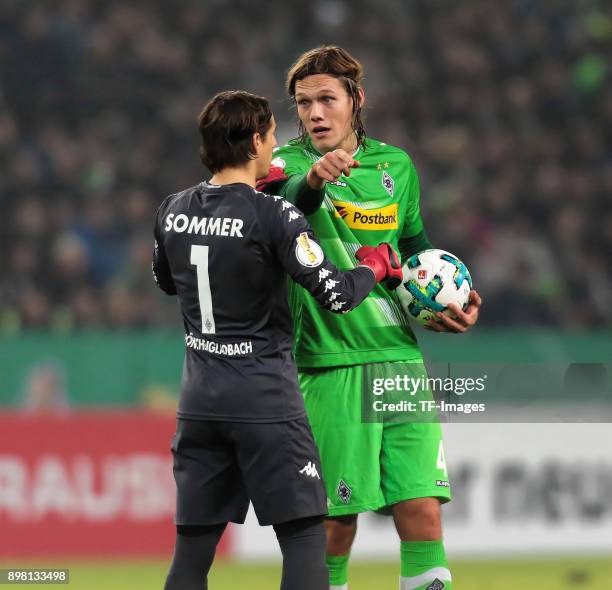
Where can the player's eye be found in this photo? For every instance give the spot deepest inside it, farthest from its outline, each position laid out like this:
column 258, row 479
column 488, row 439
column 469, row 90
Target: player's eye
column 327, row 99
column 303, row 102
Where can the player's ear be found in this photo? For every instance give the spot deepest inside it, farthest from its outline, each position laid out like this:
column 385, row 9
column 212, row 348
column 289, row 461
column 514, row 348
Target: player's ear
column 256, row 143
column 361, row 94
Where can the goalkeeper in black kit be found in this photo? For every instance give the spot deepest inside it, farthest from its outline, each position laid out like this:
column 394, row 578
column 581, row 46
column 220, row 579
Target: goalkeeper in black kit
column 242, row 435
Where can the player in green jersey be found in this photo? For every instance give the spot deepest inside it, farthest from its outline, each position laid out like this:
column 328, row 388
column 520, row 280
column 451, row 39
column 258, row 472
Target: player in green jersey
column 358, row 191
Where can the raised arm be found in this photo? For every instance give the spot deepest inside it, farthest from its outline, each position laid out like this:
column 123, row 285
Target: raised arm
column 305, row 190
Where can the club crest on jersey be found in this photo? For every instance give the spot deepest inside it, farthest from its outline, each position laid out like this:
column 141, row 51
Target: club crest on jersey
column 344, row 492
column 373, row 219
column 437, row 584
column 278, row 163
column 387, row 182
column 307, row 252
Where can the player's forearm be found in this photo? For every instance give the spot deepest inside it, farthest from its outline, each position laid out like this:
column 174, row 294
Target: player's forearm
column 340, row 291
column 297, row 191
column 162, row 273
column 413, row 245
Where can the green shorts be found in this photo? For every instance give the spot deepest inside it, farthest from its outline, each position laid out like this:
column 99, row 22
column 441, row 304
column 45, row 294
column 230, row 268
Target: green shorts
column 376, row 449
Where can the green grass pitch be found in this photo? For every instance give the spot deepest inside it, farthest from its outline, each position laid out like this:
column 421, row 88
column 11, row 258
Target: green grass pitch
column 534, row 574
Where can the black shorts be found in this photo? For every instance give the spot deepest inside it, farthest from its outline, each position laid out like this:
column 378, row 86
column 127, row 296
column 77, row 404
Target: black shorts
column 220, row 466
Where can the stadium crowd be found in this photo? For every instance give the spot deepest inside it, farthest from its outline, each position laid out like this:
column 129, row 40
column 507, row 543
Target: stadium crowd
column 505, row 107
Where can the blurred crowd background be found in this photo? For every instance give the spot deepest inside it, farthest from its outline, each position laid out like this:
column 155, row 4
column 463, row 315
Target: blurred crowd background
column 505, row 107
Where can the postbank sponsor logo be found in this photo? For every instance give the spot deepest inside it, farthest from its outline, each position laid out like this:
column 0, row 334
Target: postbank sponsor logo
column 373, row 219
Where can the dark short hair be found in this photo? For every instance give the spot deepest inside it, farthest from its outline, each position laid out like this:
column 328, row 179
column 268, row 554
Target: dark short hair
column 227, row 124
column 334, row 61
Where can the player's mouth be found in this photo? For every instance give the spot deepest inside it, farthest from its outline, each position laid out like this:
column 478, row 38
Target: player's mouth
column 320, row 131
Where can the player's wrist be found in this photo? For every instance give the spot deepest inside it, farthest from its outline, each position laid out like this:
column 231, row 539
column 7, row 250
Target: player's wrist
column 314, row 181
column 376, row 267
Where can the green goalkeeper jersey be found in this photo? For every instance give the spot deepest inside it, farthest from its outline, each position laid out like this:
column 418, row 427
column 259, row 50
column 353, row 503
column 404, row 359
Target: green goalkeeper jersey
column 378, row 202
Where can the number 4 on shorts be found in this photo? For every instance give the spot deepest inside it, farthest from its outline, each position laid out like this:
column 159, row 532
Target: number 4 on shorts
column 441, row 463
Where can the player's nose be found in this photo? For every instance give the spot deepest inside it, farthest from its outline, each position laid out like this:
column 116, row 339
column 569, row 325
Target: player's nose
column 316, row 113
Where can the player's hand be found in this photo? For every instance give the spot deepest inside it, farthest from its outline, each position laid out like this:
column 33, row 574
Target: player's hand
column 329, row 168
column 463, row 320
column 384, row 262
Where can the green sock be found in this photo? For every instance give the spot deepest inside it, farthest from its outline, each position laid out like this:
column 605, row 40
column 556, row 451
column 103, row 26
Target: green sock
column 338, row 569
column 424, row 566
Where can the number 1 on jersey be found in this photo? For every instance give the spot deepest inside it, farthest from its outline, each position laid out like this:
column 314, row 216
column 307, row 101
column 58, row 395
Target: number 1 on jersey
column 199, row 258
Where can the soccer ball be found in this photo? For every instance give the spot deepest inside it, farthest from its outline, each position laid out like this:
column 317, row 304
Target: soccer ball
column 432, row 280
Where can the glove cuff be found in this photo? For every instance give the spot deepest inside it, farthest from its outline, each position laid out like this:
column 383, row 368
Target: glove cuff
column 376, row 265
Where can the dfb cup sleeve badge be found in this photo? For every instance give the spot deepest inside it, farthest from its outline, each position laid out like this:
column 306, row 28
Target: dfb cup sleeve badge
column 307, row 252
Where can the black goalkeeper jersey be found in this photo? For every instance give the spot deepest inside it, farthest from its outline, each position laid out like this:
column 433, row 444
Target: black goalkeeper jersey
column 226, row 252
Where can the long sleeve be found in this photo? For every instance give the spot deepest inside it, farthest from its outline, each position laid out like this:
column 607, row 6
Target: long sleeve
column 302, row 257
column 294, row 188
column 414, row 244
column 160, row 266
